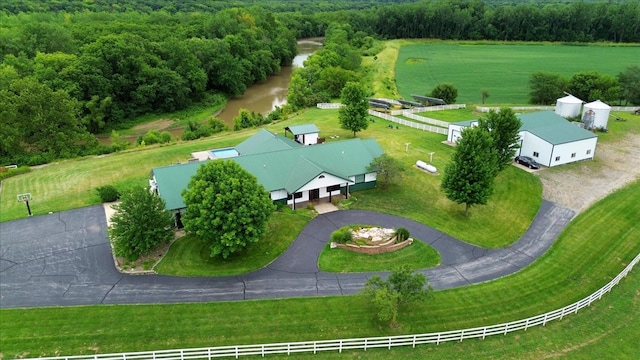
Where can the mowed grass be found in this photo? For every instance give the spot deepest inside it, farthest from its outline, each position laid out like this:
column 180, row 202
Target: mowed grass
column 590, row 252
column 190, row 256
column 71, row 184
column 417, row 256
column 503, row 69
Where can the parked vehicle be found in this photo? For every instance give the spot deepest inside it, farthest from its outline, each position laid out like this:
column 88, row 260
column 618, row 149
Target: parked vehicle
column 527, row 161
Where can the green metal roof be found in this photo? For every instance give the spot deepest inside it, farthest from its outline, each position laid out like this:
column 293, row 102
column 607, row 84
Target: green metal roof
column 286, row 169
column 265, row 141
column 553, row 128
column 303, row 129
column 548, row 126
column 292, row 169
column 171, row 180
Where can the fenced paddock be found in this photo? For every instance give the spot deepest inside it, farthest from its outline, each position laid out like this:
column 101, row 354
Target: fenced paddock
column 362, row 343
column 411, row 124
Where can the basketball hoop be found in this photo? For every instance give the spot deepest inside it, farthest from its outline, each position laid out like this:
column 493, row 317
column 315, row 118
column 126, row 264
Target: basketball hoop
column 25, row 198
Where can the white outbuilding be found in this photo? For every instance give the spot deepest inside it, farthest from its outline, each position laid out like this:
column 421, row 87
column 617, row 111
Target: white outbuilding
column 596, row 115
column 569, row 106
column 546, row 137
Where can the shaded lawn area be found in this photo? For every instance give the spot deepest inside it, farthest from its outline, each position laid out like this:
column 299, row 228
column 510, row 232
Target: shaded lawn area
column 591, row 251
column 417, row 256
column 190, row 256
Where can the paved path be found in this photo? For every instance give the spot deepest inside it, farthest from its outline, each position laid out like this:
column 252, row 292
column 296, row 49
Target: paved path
column 65, row 259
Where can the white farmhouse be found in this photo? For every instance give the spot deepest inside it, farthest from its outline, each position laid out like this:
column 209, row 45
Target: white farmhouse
column 546, row 137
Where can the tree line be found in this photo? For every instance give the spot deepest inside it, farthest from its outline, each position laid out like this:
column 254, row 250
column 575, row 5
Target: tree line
column 104, row 69
column 624, row 89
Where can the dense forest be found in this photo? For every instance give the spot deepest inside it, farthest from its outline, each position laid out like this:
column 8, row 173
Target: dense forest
column 73, row 68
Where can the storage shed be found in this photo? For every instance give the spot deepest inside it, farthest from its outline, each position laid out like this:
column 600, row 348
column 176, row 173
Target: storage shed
column 546, row 137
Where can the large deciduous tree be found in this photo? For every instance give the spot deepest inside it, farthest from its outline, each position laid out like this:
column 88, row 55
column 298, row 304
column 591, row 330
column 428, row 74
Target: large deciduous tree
column 629, row 81
column 38, row 120
column 353, row 115
column 504, row 127
column 402, row 287
column 446, row 92
column 226, row 207
column 468, row 178
column 140, row 224
column 546, row 87
column 591, row 85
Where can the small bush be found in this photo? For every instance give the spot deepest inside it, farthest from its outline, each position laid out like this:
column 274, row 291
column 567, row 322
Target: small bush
column 165, row 137
column 108, row 193
column 402, row 234
column 341, row 236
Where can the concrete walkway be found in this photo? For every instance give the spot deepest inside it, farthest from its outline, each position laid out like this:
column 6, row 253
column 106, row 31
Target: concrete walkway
column 65, row 259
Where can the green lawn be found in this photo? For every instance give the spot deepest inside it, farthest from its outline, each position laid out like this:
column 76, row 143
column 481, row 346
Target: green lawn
column 189, row 256
column 417, row 255
column 71, row 184
column 592, row 250
column 501, row 68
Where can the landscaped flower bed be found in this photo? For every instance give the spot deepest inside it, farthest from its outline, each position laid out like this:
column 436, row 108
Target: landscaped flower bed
column 370, row 240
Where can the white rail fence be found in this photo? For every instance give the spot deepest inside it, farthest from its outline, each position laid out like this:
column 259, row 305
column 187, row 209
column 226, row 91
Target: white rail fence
column 362, row 343
column 430, row 108
column 411, row 124
column 328, row 105
column 486, row 109
column 426, row 120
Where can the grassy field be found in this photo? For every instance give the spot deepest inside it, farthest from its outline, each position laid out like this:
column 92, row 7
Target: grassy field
column 592, row 250
column 417, row 256
column 501, row 68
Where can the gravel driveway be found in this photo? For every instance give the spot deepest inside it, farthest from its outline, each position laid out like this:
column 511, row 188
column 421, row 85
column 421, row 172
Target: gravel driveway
column 578, row 186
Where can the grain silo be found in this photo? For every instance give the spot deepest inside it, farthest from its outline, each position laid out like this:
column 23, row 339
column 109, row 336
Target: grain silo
column 598, row 112
column 568, row 106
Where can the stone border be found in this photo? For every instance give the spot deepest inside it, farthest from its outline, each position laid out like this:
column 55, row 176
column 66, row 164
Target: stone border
column 385, row 247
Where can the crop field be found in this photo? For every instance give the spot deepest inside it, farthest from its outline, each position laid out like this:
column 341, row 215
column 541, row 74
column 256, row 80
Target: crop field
column 502, row 69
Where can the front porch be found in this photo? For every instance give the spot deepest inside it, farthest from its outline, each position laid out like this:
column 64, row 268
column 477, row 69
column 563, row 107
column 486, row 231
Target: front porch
column 322, row 205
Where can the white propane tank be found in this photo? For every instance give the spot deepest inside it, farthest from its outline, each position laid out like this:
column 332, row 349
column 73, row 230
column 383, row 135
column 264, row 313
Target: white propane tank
column 423, row 165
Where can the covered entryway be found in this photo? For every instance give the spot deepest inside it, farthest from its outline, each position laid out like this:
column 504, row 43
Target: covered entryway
column 314, row 194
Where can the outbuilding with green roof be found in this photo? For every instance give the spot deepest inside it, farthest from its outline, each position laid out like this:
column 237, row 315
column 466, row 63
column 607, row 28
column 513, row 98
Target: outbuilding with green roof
column 546, row 137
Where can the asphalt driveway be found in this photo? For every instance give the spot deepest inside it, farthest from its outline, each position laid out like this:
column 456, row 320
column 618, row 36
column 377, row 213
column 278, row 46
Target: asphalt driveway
column 64, row 259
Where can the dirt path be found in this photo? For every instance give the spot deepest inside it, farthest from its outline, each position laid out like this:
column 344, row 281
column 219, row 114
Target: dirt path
column 580, row 185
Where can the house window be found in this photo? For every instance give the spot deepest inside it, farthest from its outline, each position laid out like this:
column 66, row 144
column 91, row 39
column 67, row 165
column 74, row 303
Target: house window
column 536, row 154
column 333, row 188
column 588, row 151
column 359, row 179
column 573, row 155
column 297, row 195
column 557, row 158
